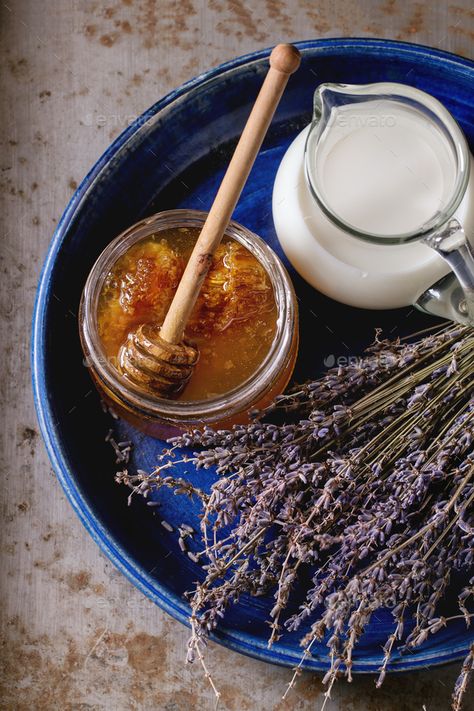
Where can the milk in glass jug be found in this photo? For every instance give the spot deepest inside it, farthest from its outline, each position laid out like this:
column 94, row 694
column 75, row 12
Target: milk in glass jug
column 373, row 202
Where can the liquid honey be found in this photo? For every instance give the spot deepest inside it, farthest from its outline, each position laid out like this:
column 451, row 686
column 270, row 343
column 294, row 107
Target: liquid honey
column 233, row 323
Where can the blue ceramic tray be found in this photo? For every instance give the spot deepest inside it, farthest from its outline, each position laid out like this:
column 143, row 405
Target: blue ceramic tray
column 174, row 156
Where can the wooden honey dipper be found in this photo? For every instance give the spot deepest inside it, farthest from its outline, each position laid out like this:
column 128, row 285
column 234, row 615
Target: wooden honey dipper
column 156, row 358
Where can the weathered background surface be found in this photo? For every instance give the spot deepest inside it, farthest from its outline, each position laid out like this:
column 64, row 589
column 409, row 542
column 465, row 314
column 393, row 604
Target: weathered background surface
column 76, row 634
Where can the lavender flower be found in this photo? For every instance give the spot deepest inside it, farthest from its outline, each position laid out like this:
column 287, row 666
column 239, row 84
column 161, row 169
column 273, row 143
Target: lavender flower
column 369, row 482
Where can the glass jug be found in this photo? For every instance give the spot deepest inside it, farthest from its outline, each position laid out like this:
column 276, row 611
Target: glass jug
column 387, row 164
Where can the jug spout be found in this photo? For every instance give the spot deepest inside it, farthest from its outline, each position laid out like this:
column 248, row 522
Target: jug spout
column 326, row 97
column 330, row 99
column 333, row 100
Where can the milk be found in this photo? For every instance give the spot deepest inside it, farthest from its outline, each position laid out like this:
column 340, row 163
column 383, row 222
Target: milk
column 381, row 170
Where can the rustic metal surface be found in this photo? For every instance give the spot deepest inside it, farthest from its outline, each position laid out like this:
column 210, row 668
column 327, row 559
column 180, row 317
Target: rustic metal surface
column 75, row 633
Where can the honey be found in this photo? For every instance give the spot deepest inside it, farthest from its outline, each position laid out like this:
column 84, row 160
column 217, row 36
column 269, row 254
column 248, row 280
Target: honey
column 245, row 323
column 233, row 323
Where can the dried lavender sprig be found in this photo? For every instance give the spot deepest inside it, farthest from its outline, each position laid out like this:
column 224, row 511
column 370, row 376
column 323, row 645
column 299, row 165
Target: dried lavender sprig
column 274, row 477
column 463, row 679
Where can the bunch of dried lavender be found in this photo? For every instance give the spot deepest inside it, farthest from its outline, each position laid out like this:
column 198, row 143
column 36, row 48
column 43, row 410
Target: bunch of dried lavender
column 369, row 480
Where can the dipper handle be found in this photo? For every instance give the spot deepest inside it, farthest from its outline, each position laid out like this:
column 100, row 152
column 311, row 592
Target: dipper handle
column 284, row 60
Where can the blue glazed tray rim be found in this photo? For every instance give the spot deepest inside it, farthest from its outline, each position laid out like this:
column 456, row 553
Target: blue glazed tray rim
column 170, row 603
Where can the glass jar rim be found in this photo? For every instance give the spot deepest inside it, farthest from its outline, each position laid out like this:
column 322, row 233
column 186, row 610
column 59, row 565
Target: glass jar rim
column 241, row 397
column 425, row 102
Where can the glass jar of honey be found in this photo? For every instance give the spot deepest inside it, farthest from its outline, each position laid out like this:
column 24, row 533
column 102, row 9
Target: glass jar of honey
column 253, row 346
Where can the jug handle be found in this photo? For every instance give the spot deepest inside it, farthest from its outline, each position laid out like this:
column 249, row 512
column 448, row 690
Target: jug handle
column 451, row 243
